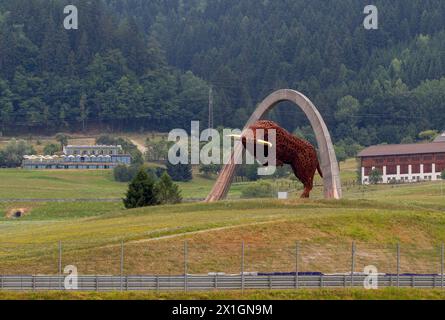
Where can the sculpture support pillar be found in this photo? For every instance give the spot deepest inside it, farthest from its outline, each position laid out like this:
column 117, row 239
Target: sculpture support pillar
column 328, row 160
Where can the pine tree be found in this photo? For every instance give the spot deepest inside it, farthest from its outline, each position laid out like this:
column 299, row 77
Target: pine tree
column 167, row 191
column 141, row 191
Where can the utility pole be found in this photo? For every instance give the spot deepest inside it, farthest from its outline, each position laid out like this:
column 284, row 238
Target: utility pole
column 210, row 108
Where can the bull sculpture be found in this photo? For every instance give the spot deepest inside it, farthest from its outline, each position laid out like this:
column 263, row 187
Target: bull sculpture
column 298, row 153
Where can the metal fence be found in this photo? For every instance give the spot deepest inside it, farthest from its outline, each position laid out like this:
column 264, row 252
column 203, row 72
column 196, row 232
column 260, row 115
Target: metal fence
column 174, row 264
column 216, row 282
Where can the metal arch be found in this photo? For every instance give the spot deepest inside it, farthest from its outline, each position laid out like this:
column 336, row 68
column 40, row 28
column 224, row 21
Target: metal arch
column 328, row 160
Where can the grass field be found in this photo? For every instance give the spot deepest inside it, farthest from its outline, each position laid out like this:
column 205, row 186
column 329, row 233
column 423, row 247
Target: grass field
column 85, row 184
column 154, row 238
column 99, row 184
column 59, row 184
column 319, row 294
column 376, row 217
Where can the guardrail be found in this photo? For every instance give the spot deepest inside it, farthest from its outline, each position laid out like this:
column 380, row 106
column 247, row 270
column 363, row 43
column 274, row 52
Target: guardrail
column 215, row 282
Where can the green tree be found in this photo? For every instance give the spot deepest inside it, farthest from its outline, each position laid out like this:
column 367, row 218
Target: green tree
column 442, row 175
column 375, row 176
column 141, row 191
column 347, row 109
column 180, row 172
column 62, row 138
column 428, row 135
column 12, row 155
column 123, row 173
column 340, row 153
column 209, row 169
column 6, row 107
column 51, row 149
column 167, row 191
column 157, row 150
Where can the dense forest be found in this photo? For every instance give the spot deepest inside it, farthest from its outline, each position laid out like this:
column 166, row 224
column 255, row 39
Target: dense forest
column 148, row 65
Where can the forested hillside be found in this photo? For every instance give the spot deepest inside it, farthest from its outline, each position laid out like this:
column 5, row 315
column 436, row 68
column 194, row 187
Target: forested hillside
column 138, row 64
column 107, row 73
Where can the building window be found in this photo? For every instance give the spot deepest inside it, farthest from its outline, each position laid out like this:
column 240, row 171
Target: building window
column 415, row 168
column 391, row 170
column 404, row 169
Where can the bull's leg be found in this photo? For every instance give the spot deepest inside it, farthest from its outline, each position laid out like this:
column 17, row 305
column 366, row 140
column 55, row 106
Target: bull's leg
column 307, row 190
column 308, row 185
column 301, row 175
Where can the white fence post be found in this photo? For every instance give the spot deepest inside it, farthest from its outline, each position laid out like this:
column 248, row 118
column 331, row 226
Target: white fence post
column 297, row 247
column 352, row 263
column 398, row 265
column 242, row 267
column 185, row 265
column 122, row 264
column 442, row 252
column 60, row 265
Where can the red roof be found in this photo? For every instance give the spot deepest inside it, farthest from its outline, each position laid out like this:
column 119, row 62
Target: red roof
column 403, row 149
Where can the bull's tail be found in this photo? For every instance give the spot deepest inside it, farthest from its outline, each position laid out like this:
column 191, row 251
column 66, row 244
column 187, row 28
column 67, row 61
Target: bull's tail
column 319, row 170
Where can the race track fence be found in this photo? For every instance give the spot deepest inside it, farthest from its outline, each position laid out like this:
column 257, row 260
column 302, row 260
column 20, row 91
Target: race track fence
column 215, row 282
column 218, row 265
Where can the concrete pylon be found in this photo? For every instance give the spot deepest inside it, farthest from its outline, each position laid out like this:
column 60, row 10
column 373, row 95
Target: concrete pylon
column 328, row 160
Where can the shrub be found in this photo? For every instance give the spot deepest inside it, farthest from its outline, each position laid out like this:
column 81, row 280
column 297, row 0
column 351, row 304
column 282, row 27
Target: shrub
column 180, row 172
column 442, row 175
column 209, row 169
column 157, row 150
column 51, row 149
column 248, row 171
column 141, row 191
column 124, row 173
column 12, row 155
column 62, row 139
column 167, row 191
column 261, row 189
column 375, row 176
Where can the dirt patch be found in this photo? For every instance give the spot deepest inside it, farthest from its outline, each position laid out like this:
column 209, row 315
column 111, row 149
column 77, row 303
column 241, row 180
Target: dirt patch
column 17, row 213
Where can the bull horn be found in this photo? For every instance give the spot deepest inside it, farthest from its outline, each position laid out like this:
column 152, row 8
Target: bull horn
column 236, row 136
column 260, row 141
column 264, row 142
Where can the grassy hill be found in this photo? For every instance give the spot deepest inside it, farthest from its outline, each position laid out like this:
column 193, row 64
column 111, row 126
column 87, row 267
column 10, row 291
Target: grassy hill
column 376, row 217
column 154, row 237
